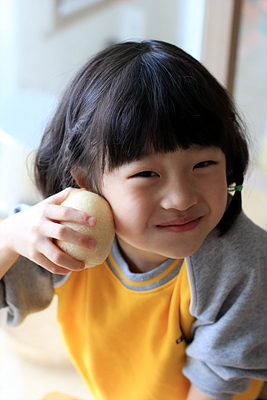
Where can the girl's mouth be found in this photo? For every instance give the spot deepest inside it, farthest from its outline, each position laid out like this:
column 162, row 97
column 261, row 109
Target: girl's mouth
column 180, row 225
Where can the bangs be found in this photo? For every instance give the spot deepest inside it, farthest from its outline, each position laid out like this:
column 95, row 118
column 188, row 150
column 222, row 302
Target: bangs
column 134, row 98
column 158, row 106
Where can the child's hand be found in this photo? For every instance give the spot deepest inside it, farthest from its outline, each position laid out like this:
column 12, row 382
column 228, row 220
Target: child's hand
column 31, row 233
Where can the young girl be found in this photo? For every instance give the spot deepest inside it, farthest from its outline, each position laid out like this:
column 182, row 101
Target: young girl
column 178, row 309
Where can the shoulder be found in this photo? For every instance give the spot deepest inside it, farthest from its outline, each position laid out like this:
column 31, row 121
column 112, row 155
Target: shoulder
column 234, row 261
column 244, row 239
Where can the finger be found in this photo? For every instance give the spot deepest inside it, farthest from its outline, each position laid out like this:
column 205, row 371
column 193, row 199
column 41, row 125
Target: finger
column 59, row 258
column 69, row 214
column 58, row 198
column 67, row 234
column 49, row 266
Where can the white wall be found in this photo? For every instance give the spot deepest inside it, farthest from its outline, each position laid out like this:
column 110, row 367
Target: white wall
column 37, row 60
column 48, row 57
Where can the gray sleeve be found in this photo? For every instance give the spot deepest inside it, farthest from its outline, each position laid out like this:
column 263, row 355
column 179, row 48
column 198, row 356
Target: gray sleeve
column 228, row 281
column 26, row 288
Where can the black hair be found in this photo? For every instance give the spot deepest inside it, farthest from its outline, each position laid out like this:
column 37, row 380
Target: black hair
column 134, row 96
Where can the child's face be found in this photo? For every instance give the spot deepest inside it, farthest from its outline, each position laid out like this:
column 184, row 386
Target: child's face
column 165, row 204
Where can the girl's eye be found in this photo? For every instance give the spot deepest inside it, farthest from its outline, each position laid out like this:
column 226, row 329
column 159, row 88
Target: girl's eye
column 145, row 174
column 204, row 164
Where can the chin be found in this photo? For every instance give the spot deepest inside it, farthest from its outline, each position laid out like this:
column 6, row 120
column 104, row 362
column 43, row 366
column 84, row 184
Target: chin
column 183, row 251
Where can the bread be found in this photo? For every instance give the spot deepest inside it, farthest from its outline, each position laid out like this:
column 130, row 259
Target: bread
column 103, row 231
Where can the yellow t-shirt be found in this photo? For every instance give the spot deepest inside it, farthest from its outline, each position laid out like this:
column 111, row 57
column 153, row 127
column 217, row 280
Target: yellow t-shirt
column 127, row 334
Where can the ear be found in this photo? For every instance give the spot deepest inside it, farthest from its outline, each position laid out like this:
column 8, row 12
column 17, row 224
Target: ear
column 79, row 175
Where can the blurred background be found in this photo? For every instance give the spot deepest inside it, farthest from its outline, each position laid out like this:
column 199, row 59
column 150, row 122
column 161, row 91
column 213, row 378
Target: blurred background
column 42, row 44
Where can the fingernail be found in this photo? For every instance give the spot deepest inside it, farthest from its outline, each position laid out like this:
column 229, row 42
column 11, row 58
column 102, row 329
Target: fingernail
column 92, row 221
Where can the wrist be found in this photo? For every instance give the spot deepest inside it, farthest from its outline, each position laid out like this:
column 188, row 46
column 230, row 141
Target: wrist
column 7, row 255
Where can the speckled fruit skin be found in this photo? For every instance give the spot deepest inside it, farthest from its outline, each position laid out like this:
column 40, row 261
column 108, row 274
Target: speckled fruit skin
column 103, row 231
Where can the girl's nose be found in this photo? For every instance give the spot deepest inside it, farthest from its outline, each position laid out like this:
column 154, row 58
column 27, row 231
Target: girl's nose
column 179, row 196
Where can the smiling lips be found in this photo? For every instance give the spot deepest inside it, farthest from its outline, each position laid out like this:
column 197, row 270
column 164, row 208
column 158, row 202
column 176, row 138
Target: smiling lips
column 179, row 225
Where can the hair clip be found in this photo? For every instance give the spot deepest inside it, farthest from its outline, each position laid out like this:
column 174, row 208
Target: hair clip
column 238, row 188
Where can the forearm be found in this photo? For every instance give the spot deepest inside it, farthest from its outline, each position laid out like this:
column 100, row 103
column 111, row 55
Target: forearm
column 7, row 256
column 195, row 394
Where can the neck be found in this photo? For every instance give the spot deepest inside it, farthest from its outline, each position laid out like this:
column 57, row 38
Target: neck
column 139, row 261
